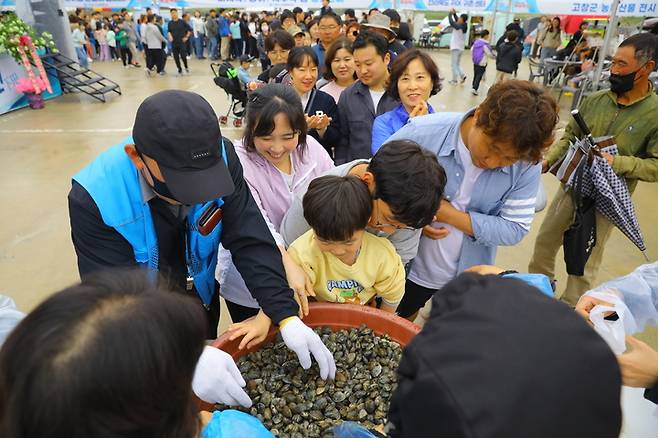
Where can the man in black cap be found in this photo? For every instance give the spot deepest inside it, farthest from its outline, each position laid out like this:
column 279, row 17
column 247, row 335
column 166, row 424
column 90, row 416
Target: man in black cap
column 166, row 198
column 498, row 358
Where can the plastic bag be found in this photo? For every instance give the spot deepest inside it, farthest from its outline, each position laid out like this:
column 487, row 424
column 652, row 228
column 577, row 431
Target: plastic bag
column 234, row 424
column 613, row 332
column 350, row 429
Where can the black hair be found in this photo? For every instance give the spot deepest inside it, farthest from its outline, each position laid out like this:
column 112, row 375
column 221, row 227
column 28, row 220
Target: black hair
column 393, row 15
column 280, row 37
column 341, row 43
column 464, row 17
column 512, row 36
column 333, row 16
column 112, row 356
column 297, row 10
column 298, row 55
column 409, row 180
column 350, row 13
column 337, row 206
column 484, row 33
column 262, row 107
column 373, row 10
column 368, row 38
column 150, row 18
column 173, row 10
column 645, row 45
column 402, row 62
column 287, row 14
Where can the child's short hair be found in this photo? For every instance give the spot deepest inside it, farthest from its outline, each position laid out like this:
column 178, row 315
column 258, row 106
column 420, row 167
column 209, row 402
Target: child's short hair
column 337, row 206
column 484, row 33
column 512, row 36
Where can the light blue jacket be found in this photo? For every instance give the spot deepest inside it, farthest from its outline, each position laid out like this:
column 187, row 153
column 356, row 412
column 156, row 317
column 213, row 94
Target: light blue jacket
column 503, row 199
column 389, row 123
column 112, row 182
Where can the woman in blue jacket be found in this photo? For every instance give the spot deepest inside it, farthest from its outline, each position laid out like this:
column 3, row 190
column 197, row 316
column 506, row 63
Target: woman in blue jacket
column 414, row 78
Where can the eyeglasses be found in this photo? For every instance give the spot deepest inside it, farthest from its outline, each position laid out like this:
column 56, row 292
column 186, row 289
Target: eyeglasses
column 327, row 28
column 397, row 227
column 279, row 52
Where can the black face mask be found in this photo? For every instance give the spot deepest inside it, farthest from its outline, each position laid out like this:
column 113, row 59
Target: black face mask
column 620, row 84
column 158, row 186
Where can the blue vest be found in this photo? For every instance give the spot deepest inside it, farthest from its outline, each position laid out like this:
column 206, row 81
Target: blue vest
column 112, row 181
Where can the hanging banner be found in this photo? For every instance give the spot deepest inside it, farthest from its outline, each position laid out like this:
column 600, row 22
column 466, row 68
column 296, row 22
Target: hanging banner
column 553, row 7
column 10, row 73
column 637, row 8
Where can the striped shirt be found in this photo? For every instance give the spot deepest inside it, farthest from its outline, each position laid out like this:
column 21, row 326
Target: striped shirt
column 501, row 203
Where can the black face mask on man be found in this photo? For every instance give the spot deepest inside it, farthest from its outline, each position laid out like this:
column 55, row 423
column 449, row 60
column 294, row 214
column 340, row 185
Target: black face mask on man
column 159, row 187
column 620, row 84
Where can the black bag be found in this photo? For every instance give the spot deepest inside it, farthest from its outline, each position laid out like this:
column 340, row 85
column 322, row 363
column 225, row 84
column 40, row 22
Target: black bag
column 580, row 239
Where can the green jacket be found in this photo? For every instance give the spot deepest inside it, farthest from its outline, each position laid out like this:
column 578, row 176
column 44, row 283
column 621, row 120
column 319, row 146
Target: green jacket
column 635, row 128
column 122, row 38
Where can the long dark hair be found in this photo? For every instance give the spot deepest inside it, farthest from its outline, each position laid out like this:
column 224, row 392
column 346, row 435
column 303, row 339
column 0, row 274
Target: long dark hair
column 262, row 107
column 111, row 357
column 559, row 25
column 298, row 55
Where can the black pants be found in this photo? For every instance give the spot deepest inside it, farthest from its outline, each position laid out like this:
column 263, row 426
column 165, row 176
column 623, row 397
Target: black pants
column 114, row 52
column 415, row 297
column 477, row 76
column 155, row 59
column 179, row 52
column 126, row 56
column 237, row 48
column 239, row 313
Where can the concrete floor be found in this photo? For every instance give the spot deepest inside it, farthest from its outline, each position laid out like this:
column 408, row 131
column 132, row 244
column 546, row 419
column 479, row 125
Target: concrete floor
column 40, row 150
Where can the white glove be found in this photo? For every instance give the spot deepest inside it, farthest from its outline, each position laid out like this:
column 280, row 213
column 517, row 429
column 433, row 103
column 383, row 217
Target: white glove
column 217, row 379
column 304, row 342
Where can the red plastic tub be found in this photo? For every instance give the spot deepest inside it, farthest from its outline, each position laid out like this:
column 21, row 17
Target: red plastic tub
column 337, row 317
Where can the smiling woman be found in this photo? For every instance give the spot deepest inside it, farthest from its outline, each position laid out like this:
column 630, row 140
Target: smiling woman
column 414, row 78
column 319, row 107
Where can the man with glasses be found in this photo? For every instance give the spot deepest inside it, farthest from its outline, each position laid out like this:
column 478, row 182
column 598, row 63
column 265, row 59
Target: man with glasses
column 406, row 184
column 330, row 27
column 277, row 46
column 493, row 175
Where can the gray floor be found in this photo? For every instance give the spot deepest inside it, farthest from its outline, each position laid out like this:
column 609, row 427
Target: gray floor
column 40, row 150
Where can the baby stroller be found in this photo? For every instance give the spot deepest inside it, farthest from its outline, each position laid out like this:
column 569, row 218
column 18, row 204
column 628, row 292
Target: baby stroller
column 226, row 78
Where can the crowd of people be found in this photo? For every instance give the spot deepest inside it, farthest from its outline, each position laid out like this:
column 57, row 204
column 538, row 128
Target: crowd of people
column 346, row 186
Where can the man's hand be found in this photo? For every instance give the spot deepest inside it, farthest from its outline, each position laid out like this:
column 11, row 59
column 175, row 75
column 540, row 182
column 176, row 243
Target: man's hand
column 217, row 379
column 435, row 233
column 587, row 303
column 544, row 166
column 305, row 342
column 639, row 366
column 608, row 157
column 254, row 330
column 170, row 38
column 444, row 212
column 485, row 270
column 419, row 110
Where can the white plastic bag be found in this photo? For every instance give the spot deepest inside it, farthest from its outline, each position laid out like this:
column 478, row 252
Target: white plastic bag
column 613, row 332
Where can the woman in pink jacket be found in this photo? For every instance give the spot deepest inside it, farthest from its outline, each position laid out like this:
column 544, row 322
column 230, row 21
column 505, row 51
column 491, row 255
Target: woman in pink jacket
column 278, row 160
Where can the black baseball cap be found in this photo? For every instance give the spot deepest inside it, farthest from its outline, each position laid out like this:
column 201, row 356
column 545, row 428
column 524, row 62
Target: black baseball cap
column 180, row 131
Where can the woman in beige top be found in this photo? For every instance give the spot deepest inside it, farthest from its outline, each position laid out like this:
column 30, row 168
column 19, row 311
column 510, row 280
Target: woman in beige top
column 551, row 39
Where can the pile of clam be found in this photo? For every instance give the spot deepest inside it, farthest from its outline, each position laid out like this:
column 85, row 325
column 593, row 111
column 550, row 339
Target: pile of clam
column 293, row 402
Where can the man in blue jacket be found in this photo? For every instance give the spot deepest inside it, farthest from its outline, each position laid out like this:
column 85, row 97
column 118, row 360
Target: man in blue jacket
column 166, row 198
column 491, row 156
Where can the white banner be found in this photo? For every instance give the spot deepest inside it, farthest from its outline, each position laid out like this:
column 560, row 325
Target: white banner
column 553, row 7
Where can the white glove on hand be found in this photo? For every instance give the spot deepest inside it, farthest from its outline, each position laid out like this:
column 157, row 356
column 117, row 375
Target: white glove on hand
column 304, row 342
column 217, row 379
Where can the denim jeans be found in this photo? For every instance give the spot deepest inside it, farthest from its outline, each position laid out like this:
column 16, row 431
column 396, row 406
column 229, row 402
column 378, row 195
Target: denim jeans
column 82, row 56
column 198, row 46
column 457, row 72
column 212, row 47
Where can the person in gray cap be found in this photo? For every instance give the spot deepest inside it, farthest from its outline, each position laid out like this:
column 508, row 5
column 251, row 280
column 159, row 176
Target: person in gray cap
column 165, row 199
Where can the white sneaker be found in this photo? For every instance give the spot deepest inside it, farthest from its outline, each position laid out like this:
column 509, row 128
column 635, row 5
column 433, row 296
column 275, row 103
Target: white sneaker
column 187, row 71
column 474, row 92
